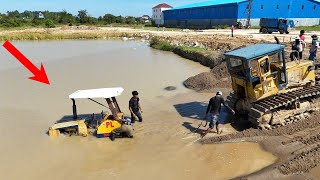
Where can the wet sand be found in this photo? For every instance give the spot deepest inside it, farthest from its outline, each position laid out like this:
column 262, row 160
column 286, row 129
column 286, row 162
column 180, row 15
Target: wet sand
column 162, row 147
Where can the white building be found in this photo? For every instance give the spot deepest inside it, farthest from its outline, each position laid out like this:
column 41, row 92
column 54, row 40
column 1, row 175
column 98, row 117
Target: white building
column 157, row 14
column 40, row 15
column 145, row 18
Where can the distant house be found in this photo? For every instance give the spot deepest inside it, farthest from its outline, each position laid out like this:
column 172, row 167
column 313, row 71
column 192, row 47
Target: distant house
column 145, row 18
column 40, row 15
column 157, row 14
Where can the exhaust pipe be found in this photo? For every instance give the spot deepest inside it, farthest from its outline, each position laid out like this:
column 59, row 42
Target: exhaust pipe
column 277, row 40
column 74, row 109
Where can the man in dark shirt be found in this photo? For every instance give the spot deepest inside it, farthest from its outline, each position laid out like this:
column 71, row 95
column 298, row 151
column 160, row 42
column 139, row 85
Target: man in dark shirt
column 214, row 108
column 134, row 107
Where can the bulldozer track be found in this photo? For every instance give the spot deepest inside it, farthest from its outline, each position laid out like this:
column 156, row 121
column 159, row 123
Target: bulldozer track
column 276, row 102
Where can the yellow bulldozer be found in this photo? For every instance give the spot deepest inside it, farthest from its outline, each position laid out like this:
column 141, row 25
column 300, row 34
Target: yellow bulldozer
column 105, row 125
column 268, row 89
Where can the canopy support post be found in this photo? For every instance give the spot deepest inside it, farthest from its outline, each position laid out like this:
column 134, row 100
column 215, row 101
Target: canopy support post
column 116, row 103
column 74, row 109
column 113, row 110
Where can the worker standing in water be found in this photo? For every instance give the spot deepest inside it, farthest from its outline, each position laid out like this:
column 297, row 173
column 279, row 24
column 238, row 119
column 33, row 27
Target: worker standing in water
column 214, row 108
column 134, row 107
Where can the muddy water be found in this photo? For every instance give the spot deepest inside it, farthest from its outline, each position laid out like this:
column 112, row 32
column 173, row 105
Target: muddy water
column 161, row 148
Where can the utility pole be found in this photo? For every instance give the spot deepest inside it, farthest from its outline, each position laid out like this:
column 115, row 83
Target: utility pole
column 249, row 14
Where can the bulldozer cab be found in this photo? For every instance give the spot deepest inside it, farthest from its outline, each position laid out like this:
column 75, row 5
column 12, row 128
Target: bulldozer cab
column 257, row 71
column 264, row 68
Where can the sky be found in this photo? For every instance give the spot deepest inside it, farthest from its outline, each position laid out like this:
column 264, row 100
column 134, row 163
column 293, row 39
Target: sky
column 94, row 7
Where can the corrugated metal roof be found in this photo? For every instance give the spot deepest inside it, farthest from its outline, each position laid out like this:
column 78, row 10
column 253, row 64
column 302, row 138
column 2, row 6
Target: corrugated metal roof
column 215, row 2
column 256, row 50
column 209, row 3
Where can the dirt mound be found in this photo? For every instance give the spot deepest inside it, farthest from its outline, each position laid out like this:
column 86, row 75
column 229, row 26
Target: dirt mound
column 206, row 82
column 217, row 78
column 200, row 82
column 221, row 71
column 302, row 163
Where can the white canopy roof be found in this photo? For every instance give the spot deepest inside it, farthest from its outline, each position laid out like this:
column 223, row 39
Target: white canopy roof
column 97, row 93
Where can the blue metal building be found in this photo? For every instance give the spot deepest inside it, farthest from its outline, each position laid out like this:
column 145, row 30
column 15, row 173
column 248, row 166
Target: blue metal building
column 229, row 12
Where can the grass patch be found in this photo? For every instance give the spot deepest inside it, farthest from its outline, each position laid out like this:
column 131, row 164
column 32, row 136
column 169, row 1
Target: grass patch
column 156, row 43
column 220, row 27
column 255, row 27
column 152, row 28
column 60, row 36
column 45, row 36
column 15, row 28
column 205, row 57
column 309, row 28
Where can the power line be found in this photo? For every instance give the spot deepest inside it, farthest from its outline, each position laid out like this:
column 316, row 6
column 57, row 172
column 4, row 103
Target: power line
column 249, row 13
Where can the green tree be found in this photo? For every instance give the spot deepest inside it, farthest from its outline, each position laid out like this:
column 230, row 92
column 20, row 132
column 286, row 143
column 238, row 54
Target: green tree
column 109, row 18
column 27, row 15
column 83, row 16
column 16, row 19
column 120, row 20
column 49, row 24
column 13, row 14
column 37, row 22
column 130, row 20
column 93, row 20
column 5, row 21
column 66, row 18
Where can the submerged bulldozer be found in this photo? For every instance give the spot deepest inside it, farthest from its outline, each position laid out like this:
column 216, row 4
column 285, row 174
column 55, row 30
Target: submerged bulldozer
column 269, row 90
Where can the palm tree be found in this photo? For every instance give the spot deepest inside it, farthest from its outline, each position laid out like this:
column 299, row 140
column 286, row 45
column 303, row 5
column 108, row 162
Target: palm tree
column 83, row 16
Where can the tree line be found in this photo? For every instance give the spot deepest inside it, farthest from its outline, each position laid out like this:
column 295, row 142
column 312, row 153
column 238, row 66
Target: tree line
column 51, row 19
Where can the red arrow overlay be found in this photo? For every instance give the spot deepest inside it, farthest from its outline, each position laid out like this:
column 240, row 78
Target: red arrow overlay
column 39, row 74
